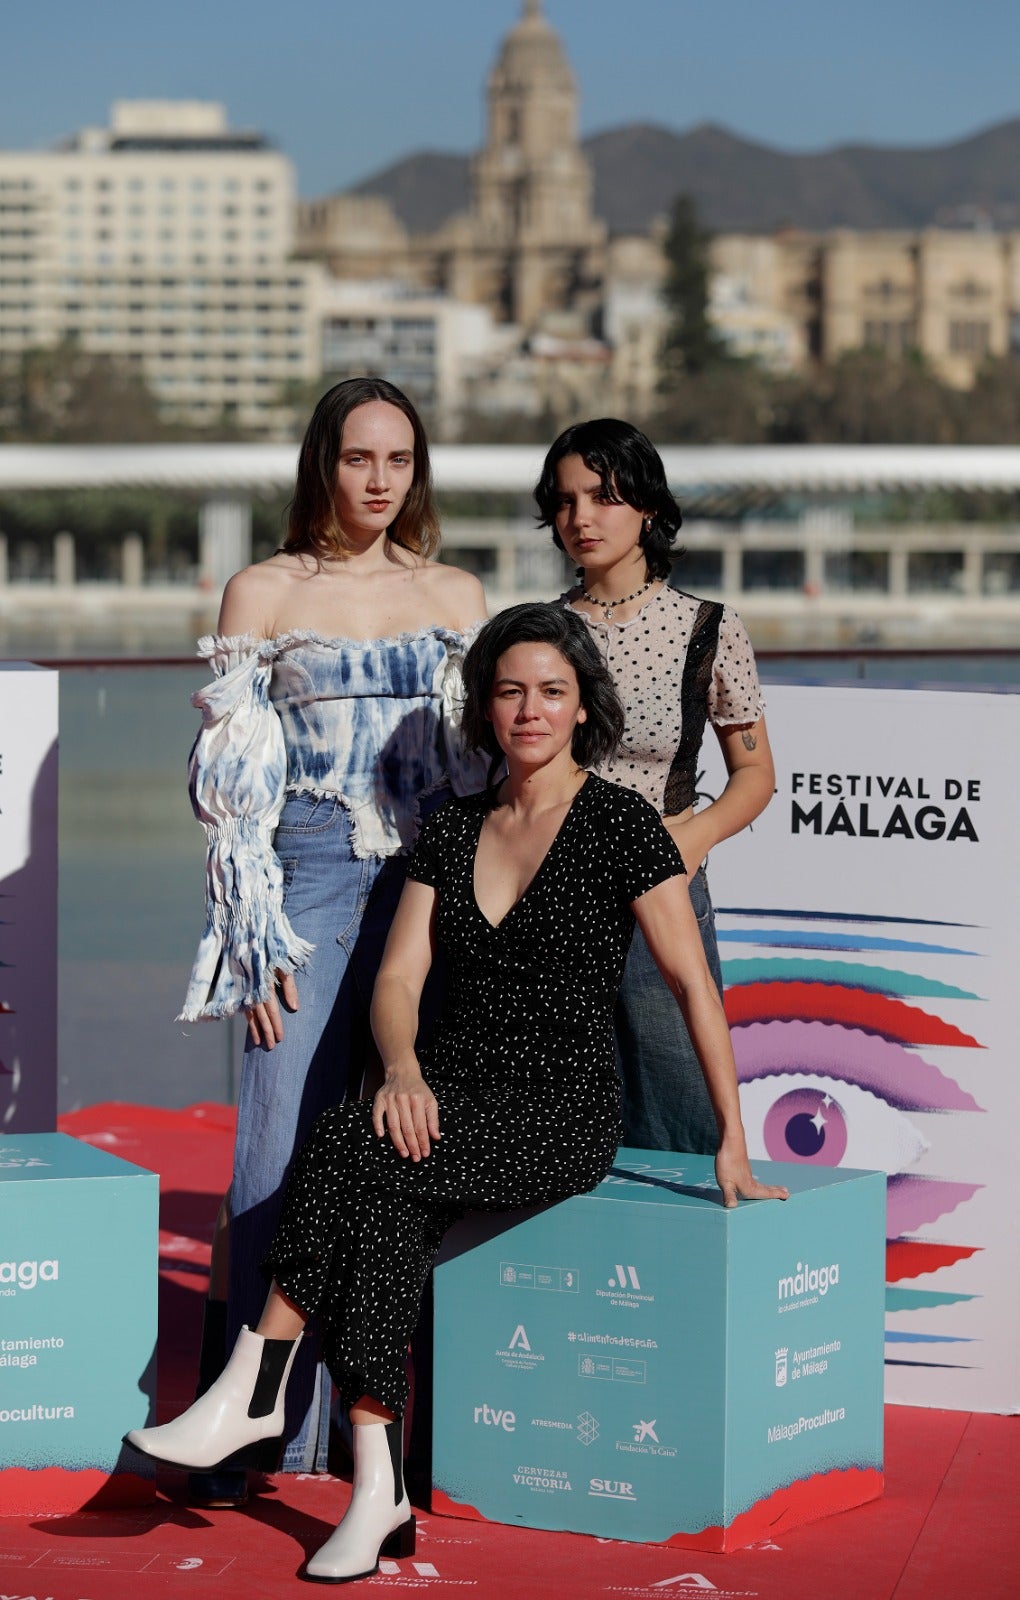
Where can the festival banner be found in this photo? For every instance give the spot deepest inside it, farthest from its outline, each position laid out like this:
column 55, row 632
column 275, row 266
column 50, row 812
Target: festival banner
column 28, row 898
column 869, row 925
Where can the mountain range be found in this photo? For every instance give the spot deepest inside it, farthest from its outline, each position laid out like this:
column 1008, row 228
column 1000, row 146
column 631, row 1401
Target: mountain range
column 739, row 185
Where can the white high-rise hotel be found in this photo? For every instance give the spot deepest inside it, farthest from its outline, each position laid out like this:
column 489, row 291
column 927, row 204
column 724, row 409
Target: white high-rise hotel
column 163, row 240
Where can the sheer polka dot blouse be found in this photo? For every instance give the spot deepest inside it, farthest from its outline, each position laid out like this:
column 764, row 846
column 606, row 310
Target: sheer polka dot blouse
column 679, row 663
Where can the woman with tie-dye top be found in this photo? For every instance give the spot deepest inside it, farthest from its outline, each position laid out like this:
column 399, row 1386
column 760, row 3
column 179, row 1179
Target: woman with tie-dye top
column 330, row 726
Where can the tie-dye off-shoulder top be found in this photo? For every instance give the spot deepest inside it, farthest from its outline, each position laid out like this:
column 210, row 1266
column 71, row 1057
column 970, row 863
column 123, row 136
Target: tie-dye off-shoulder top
column 375, row 722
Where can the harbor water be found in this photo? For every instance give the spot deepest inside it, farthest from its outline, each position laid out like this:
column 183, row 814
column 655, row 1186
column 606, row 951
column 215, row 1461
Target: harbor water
column 132, row 867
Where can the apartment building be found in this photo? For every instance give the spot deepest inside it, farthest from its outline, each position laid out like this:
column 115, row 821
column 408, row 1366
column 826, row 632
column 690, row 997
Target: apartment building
column 951, row 294
column 435, row 349
column 165, row 241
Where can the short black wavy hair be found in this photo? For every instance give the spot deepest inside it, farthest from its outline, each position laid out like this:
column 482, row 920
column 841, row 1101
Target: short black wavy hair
column 631, row 471
column 541, row 622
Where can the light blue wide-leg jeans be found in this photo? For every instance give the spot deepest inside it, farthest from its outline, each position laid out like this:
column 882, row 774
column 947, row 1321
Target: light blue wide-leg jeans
column 665, row 1104
column 344, row 906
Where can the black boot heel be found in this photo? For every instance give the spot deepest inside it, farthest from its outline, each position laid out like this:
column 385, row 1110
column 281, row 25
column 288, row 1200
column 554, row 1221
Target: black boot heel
column 218, row 1491
column 265, row 1456
column 401, row 1541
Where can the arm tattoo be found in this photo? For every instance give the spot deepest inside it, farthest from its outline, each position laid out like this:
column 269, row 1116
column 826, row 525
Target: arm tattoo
column 748, row 740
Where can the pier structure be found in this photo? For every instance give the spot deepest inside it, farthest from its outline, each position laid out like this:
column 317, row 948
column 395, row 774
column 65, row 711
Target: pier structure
column 793, row 536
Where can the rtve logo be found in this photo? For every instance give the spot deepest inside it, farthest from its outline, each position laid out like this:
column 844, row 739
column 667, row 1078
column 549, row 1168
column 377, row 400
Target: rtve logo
column 626, row 1278
column 507, row 1420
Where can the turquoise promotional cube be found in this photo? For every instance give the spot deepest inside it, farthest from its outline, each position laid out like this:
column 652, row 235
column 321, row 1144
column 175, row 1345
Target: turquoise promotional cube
column 78, row 1278
column 641, row 1363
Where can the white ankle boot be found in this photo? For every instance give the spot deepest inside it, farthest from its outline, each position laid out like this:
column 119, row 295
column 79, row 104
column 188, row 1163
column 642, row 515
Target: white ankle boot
column 238, row 1422
column 378, row 1521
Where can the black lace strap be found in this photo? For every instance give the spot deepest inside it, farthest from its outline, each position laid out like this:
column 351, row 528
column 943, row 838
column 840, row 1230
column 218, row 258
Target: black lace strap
column 697, row 677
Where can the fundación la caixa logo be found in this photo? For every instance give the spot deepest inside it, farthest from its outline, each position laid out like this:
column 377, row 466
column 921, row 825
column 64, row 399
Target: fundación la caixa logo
column 646, row 1441
column 15, row 1275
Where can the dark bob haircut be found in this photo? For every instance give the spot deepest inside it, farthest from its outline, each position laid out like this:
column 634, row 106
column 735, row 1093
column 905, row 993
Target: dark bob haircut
column 538, row 622
column 630, row 470
column 312, row 524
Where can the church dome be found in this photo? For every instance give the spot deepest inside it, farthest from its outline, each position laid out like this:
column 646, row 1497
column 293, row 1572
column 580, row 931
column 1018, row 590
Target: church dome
column 531, row 55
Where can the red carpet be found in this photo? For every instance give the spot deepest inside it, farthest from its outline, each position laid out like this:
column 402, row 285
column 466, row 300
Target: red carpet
column 946, row 1526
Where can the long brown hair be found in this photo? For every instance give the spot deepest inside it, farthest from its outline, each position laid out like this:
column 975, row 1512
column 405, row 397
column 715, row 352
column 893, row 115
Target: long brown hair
column 312, row 524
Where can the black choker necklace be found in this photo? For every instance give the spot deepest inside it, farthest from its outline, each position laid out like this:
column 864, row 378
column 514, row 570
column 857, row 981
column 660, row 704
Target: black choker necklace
column 609, row 606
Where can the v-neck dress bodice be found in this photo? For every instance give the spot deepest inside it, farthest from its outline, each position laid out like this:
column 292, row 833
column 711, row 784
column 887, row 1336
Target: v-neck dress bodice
column 554, row 961
column 538, row 870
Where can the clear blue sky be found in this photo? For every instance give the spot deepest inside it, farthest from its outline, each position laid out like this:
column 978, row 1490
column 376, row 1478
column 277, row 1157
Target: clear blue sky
column 347, row 86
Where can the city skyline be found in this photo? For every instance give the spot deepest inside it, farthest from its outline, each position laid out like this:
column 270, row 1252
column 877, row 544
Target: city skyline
column 341, row 89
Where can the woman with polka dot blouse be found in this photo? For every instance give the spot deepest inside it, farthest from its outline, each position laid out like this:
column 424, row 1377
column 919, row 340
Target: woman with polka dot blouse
column 677, row 662
column 532, row 889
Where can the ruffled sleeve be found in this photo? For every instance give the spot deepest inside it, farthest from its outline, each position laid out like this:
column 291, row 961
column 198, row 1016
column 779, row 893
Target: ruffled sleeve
column 237, row 781
column 467, row 770
column 734, row 694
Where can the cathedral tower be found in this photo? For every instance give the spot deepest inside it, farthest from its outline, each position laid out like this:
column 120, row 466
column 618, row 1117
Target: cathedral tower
column 532, row 185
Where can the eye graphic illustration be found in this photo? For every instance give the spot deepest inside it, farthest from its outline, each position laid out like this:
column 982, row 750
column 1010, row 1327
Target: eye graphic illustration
column 805, row 1125
column 819, row 1121
column 832, row 1041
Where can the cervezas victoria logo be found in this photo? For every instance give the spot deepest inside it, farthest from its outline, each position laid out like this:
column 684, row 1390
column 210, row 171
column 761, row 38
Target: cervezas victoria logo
column 542, row 1480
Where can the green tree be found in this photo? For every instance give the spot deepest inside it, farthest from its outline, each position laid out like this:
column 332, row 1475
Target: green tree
column 66, row 394
column 990, row 411
column 692, row 344
column 724, row 404
column 865, row 397
column 108, row 403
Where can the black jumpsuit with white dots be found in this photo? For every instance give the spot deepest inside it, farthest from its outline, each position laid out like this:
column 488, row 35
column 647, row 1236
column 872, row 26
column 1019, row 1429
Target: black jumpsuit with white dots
column 521, row 1065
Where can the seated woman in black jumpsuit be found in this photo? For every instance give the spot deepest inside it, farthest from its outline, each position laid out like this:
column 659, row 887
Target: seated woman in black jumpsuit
column 532, row 889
